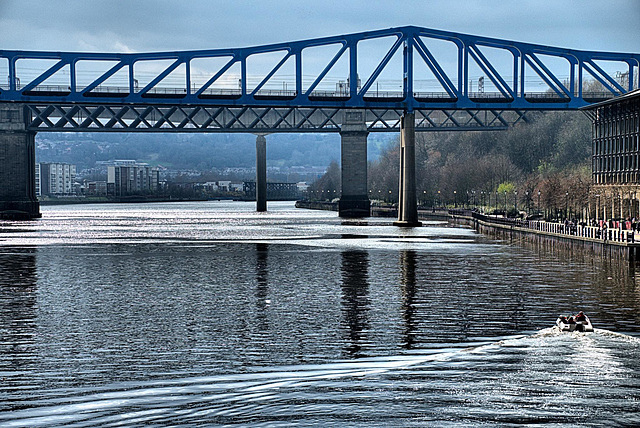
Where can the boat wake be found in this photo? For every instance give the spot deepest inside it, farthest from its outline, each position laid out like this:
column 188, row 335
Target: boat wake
column 502, row 380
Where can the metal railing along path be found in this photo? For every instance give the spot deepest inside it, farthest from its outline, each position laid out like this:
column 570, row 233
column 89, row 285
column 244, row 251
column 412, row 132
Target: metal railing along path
column 584, row 232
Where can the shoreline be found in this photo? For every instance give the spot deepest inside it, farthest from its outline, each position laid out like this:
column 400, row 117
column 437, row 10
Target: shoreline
column 124, row 200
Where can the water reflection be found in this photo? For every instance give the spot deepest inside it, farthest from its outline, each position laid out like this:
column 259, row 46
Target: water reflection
column 206, row 330
column 262, row 289
column 609, row 289
column 355, row 298
column 18, row 267
column 408, row 286
column 18, row 304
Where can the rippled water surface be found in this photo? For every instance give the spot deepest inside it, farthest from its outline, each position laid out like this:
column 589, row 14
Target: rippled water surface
column 213, row 314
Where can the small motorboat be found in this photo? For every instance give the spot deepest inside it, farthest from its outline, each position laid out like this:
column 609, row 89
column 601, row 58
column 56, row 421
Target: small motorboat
column 579, row 322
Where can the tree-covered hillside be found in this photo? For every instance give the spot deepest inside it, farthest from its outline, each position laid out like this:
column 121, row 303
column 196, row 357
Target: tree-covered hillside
column 550, row 154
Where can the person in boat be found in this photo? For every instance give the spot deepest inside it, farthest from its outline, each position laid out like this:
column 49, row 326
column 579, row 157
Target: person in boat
column 571, row 320
column 563, row 319
column 580, row 317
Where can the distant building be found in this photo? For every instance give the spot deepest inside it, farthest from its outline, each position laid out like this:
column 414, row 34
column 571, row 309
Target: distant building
column 616, row 140
column 210, row 186
column 96, row 188
column 236, row 187
column 224, row 185
column 616, row 156
column 125, row 177
column 55, row 179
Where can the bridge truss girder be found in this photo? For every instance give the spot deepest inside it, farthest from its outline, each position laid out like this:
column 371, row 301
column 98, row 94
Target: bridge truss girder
column 463, row 71
column 223, row 119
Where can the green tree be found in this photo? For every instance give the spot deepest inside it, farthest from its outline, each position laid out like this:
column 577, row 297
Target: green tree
column 327, row 187
column 506, row 187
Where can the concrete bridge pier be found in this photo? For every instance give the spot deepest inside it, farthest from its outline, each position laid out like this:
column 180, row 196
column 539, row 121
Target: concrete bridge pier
column 17, row 166
column 354, row 199
column 261, row 173
column 407, row 203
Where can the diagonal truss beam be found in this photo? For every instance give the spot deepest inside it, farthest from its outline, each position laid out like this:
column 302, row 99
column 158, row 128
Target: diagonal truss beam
column 160, row 118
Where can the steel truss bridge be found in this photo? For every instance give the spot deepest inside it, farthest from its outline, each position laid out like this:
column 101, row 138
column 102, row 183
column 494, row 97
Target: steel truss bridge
column 402, row 80
column 450, row 81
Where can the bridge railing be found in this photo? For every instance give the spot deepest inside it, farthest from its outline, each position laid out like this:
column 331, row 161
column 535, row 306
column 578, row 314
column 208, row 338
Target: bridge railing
column 275, row 94
column 571, row 230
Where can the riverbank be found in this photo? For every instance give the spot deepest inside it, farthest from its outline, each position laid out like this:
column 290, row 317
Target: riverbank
column 606, row 242
column 113, row 200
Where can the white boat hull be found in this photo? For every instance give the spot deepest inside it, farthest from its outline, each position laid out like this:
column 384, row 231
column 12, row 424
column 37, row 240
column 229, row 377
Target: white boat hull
column 580, row 326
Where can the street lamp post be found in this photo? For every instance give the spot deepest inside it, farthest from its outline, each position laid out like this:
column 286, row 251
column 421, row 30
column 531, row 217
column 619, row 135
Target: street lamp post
column 455, row 199
column 621, row 200
column 515, row 200
column 566, row 204
column 538, row 201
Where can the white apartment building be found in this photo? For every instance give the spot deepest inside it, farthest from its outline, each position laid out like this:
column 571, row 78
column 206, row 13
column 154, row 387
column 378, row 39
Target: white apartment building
column 55, row 179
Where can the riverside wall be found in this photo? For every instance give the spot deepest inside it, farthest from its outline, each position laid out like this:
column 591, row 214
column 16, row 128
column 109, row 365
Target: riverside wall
column 556, row 237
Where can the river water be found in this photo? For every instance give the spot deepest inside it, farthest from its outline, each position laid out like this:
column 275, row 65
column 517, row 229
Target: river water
column 210, row 313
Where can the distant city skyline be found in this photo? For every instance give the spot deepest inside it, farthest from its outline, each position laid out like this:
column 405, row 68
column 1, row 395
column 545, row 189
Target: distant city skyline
column 144, row 25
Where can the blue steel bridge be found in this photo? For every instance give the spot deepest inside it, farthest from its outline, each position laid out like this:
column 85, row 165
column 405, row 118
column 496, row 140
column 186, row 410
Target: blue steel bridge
column 395, row 80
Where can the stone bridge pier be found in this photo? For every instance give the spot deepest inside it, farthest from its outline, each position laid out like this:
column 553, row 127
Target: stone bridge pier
column 17, row 166
column 407, row 203
column 261, row 173
column 354, row 199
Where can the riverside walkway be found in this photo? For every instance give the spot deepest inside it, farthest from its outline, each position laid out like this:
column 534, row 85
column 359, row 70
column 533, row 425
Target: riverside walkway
column 612, row 235
column 621, row 240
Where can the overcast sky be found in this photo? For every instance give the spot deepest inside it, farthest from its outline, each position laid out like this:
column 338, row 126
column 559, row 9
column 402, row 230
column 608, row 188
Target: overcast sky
column 157, row 25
